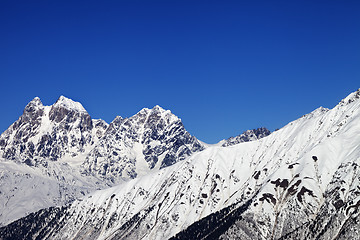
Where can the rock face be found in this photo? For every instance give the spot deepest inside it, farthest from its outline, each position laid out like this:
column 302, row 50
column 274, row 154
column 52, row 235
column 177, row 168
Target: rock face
column 247, row 136
column 150, row 140
column 300, row 182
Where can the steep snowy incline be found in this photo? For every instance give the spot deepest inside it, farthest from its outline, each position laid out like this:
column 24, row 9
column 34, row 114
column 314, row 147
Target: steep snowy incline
column 266, row 189
column 150, row 140
column 25, row 189
column 315, row 195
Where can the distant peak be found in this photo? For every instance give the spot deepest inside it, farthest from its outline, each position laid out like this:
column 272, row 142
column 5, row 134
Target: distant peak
column 247, row 136
column 36, row 102
column 351, row 97
column 64, row 99
column 158, row 108
column 69, row 104
column 118, row 118
column 36, row 99
column 158, row 111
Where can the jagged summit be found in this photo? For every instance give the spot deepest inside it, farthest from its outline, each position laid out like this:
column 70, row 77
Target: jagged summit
column 45, row 133
column 351, row 97
column 33, row 105
column 36, row 101
column 159, row 109
column 149, row 140
column 247, row 136
column 148, row 116
column 69, row 104
column 156, row 108
column 33, row 110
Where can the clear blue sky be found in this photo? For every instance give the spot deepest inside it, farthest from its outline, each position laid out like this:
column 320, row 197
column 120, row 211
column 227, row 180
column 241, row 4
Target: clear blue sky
column 221, row 66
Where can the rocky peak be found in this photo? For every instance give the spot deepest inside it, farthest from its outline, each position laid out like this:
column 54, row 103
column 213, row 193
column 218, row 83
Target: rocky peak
column 152, row 117
column 16, row 136
column 100, row 123
column 33, row 105
column 247, row 136
column 351, row 98
column 50, row 132
column 114, row 125
column 33, row 110
column 158, row 118
column 152, row 138
column 67, row 111
column 159, row 110
column 69, row 104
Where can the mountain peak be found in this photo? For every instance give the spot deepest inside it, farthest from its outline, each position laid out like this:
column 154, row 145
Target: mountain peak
column 69, row 104
column 247, row 136
column 36, row 101
column 33, row 106
column 158, row 108
column 155, row 109
column 351, row 97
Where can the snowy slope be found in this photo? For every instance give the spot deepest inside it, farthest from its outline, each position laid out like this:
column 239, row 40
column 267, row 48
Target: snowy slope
column 300, row 182
column 25, row 189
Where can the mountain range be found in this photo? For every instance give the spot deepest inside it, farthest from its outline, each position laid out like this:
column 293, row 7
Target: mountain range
column 146, row 177
column 55, row 154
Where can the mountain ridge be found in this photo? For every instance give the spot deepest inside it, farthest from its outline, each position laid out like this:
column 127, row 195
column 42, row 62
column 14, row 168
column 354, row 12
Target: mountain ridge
column 62, row 147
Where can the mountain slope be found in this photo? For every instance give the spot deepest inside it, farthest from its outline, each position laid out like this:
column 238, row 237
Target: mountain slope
column 299, row 182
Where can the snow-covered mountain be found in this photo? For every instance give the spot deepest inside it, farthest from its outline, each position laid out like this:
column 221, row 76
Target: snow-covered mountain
column 45, row 133
column 55, row 154
column 149, row 140
column 300, row 182
column 40, row 154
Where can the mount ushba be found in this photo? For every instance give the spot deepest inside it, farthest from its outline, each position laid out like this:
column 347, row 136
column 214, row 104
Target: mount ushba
column 300, row 182
column 55, row 154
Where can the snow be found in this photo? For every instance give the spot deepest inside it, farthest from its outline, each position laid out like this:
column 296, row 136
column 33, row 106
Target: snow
column 141, row 166
column 330, row 135
column 69, row 104
column 173, row 198
column 213, row 145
